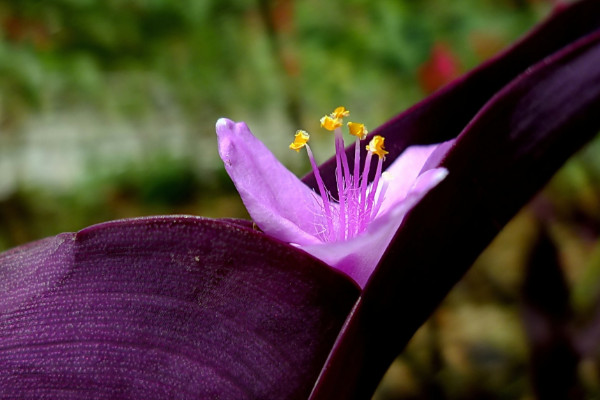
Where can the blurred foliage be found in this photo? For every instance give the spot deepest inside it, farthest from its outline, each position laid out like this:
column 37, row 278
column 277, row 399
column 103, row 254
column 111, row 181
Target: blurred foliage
column 208, row 57
column 107, row 110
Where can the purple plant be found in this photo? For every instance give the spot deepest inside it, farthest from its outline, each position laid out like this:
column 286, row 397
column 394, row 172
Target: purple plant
column 350, row 232
column 188, row 307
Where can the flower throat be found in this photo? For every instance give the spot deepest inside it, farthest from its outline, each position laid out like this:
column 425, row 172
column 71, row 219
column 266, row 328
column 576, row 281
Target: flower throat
column 358, row 202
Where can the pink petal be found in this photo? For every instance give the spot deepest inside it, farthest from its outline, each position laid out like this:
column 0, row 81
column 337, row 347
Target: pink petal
column 438, row 155
column 285, row 208
column 358, row 257
column 280, row 204
column 407, row 167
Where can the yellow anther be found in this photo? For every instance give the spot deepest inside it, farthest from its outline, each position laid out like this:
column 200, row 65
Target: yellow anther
column 300, row 140
column 376, row 146
column 330, row 123
column 357, row 130
column 340, row 113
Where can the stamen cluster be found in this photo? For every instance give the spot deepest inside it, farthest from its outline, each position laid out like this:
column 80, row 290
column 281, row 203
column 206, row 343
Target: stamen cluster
column 357, row 203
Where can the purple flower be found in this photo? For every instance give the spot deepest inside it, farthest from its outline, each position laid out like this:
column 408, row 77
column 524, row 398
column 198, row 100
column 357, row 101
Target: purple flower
column 350, row 232
column 190, row 307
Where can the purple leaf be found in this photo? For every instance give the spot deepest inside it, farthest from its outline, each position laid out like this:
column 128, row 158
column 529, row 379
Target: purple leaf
column 159, row 307
column 197, row 308
column 547, row 317
column 506, row 152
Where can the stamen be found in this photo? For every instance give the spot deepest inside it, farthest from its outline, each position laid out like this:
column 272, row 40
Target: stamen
column 340, row 148
column 354, row 207
column 300, row 140
column 356, row 162
column 330, row 123
column 357, row 204
column 321, row 185
column 340, row 185
column 376, row 146
column 340, row 112
column 363, row 193
column 385, row 178
column 374, row 187
column 344, row 183
column 358, row 130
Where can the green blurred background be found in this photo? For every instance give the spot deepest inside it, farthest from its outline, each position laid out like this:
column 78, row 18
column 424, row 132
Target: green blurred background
column 107, row 110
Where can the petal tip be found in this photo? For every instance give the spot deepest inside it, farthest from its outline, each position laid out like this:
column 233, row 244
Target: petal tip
column 224, row 123
column 429, row 179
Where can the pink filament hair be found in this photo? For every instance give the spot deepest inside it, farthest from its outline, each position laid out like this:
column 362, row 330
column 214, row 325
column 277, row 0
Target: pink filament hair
column 371, row 197
column 321, row 185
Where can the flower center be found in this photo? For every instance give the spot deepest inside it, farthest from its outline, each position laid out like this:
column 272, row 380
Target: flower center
column 358, row 202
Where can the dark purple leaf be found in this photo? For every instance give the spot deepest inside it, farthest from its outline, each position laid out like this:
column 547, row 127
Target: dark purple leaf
column 507, row 151
column 166, row 307
column 547, row 316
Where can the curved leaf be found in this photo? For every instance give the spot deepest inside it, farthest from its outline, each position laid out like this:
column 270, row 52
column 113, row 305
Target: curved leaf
column 547, row 319
column 504, row 155
column 159, row 307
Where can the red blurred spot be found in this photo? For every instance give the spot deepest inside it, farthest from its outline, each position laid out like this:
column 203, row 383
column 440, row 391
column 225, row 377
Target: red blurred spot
column 19, row 30
column 282, row 20
column 441, row 68
column 282, row 15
